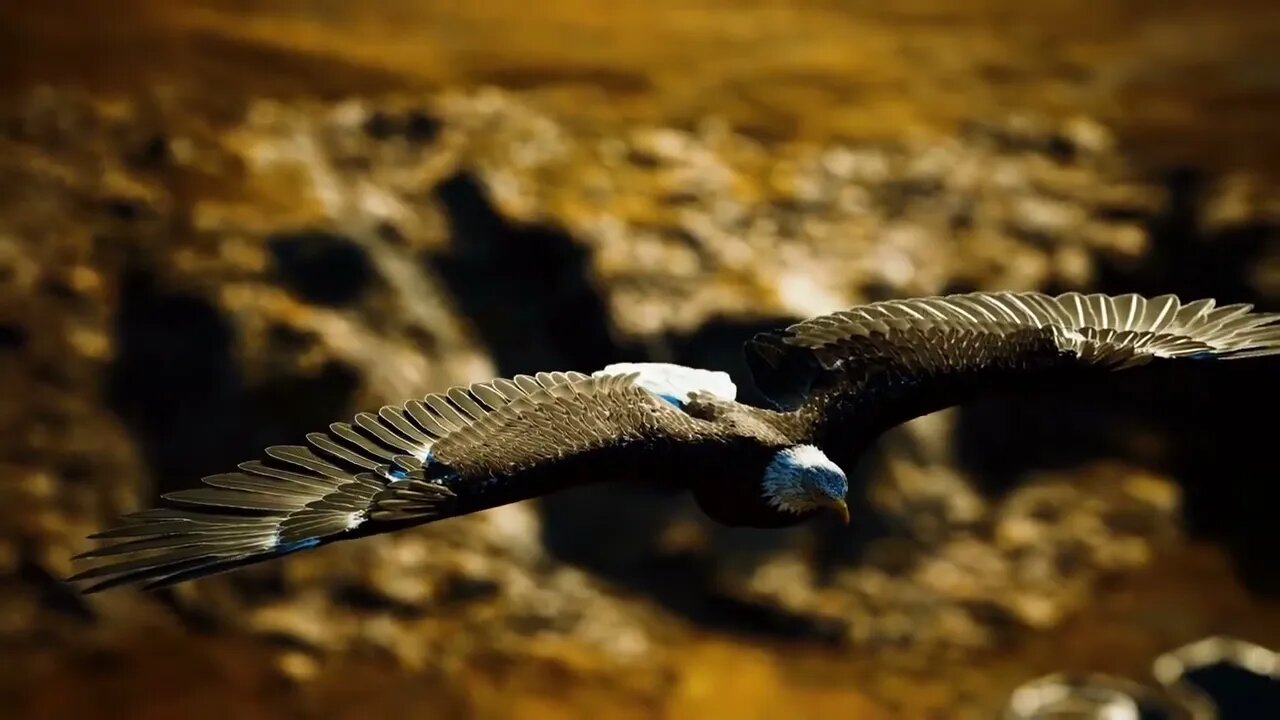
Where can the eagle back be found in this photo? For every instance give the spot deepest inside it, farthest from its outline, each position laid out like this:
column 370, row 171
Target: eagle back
column 561, row 421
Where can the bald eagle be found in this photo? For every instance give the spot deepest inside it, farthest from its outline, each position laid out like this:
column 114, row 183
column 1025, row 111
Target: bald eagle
column 837, row 382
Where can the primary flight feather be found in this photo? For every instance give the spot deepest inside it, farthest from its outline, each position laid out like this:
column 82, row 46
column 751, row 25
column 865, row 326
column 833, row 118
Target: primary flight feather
column 838, row 381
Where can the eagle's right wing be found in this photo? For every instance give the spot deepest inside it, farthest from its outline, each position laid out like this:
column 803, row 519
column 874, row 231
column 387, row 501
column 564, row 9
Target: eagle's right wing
column 449, row 454
column 859, row 371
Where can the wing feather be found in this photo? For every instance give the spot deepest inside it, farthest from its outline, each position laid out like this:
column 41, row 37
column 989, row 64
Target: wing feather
column 490, row 398
column 886, row 362
column 327, row 445
column 361, row 443
column 425, row 418
column 462, row 399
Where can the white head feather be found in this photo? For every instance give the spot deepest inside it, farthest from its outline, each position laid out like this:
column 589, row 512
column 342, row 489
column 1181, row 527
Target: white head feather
column 802, row 478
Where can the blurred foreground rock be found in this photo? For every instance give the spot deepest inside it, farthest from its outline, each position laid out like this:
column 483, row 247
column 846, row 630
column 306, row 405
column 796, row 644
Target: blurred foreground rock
column 178, row 291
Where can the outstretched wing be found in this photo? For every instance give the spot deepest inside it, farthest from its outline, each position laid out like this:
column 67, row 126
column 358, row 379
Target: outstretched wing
column 862, row 370
column 449, row 454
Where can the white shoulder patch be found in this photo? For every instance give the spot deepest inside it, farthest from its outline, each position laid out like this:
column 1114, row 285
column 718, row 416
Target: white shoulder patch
column 675, row 382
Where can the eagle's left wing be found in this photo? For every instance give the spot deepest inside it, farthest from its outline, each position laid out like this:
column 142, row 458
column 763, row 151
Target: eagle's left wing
column 860, row 371
column 448, row 454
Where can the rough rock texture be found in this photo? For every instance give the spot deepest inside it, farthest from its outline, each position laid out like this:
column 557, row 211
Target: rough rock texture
column 179, row 290
column 208, row 292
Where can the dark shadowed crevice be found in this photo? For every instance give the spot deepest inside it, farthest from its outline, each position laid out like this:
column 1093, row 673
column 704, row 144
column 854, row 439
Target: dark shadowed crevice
column 1000, row 438
column 1237, row 692
column 177, row 384
column 1219, row 418
column 12, row 337
column 760, row 620
column 359, row 597
column 53, row 592
column 527, row 289
column 1212, row 423
column 416, row 126
column 322, row 267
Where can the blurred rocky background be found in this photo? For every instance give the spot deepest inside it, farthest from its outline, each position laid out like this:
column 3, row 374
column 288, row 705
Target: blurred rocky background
column 226, row 223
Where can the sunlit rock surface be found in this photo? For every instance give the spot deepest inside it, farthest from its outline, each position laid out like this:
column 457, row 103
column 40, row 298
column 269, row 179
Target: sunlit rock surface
column 183, row 282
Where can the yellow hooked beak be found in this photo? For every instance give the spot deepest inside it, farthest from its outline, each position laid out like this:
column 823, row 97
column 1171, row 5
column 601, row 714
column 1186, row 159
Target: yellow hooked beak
column 841, row 507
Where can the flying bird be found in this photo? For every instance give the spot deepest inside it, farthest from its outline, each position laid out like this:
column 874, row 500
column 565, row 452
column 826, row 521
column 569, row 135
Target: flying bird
column 837, row 381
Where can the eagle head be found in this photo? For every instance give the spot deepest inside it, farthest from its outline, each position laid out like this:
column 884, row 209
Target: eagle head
column 801, row 478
